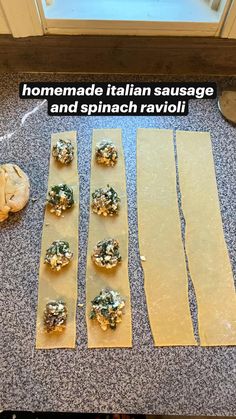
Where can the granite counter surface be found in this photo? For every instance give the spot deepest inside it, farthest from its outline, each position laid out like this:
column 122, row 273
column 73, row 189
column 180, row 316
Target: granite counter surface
column 144, row 379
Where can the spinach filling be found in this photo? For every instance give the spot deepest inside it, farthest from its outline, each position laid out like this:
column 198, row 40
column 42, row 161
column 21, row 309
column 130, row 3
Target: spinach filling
column 106, row 153
column 58, row 255
column 107, row 309
column 106, row 253
column 63, row 151
column 60, row 198
column 105, row 201
column 55, row 316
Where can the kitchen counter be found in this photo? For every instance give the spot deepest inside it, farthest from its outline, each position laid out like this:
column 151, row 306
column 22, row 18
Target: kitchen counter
column 144, row 379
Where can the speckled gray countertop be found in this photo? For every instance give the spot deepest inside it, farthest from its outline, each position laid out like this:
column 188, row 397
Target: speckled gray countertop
column 144, row 379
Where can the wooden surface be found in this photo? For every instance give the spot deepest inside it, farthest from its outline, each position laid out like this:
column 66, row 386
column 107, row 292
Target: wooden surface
column 119, row 54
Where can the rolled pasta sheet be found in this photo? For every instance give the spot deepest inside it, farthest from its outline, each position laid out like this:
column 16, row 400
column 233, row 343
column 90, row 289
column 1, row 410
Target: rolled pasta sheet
column 102, row 227
column 209, row 262
column 160, row 243
column 60, row 285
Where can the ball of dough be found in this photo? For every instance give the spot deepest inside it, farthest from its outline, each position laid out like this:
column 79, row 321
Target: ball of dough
column 14, row 189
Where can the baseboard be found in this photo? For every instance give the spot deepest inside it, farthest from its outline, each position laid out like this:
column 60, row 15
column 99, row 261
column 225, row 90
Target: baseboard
column 119, row 54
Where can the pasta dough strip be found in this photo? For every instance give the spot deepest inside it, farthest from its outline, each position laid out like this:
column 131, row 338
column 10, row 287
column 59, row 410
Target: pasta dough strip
column 165, row 277
column 101, row 227
column 63, row 284
column 209, row 262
